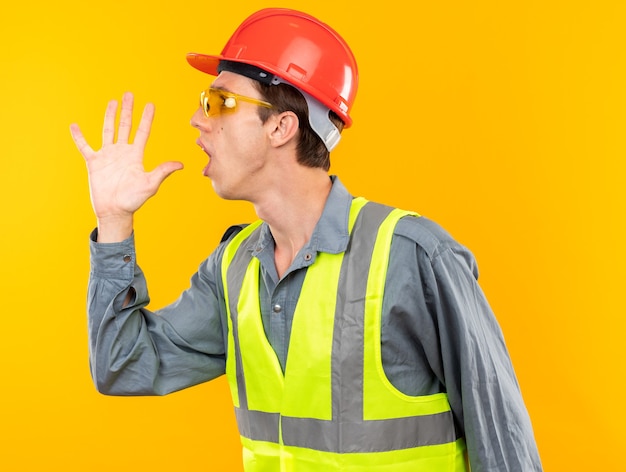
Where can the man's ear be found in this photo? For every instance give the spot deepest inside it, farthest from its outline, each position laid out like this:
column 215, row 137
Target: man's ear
column 284, row 127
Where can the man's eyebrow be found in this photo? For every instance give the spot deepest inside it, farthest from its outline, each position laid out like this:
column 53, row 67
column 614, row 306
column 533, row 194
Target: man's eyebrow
column 222, row 88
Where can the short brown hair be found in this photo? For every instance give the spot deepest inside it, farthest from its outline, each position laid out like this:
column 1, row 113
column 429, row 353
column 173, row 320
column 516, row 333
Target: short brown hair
column 311, row 150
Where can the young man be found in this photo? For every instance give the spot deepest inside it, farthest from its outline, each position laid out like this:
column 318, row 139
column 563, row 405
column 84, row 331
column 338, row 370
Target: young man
column 354, row 336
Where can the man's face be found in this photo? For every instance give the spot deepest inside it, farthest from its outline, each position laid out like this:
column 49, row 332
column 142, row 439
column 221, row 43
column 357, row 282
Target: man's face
column 235, row 142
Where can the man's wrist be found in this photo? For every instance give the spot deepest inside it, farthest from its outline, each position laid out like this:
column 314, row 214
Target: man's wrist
column 115, row 229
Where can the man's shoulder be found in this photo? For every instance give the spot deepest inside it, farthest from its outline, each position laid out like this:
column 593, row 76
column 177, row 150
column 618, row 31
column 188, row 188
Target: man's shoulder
column 427, row 234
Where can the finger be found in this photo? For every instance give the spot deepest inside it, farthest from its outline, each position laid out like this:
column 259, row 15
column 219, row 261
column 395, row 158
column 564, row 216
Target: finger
column 126, row 118
column 145, row 125
column 80, row 141
column 108, row 129
column 163, row 171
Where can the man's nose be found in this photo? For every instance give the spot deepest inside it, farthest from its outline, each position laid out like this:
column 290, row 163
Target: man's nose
column 198, row 120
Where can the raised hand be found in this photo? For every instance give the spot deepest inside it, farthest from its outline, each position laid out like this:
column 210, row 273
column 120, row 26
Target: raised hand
column 118, row 182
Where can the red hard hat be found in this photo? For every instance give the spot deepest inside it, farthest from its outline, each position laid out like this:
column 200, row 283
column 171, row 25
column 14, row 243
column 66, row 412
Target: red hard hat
column 296, row 47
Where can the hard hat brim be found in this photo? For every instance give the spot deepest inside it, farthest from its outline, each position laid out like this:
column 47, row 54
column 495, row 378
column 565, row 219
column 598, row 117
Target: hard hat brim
column 204, row 62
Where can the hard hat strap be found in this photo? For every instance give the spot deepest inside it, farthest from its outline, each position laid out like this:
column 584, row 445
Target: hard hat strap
column 247, row 70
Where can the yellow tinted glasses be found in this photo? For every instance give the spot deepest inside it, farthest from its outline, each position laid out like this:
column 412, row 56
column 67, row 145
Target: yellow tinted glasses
column 216, row 101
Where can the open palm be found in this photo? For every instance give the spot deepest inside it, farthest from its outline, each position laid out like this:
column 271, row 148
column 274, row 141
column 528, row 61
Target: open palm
column 118, row 182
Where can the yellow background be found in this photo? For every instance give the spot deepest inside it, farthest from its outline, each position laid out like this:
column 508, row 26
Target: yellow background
column 503, row 121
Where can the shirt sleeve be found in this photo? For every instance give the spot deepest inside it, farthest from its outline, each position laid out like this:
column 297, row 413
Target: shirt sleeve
column 134, row 351
column 440, row 334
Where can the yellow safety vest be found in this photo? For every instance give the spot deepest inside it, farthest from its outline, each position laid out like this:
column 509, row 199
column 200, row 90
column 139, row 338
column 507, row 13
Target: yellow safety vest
column 333, row 409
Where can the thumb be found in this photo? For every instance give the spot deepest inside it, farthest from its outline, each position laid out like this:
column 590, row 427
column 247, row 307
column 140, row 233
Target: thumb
column 163, row 171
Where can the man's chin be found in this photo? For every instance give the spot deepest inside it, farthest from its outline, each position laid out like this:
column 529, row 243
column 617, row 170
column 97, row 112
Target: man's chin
column 223, row 192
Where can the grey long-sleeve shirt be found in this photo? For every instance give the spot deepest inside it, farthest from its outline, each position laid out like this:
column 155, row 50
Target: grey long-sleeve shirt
column 438, row 331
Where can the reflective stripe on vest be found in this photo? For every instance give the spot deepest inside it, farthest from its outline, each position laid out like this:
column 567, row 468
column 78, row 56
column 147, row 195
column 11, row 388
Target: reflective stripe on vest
column 333, row 406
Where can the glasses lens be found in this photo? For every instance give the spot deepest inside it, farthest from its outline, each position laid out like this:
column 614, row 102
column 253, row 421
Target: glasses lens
column 204, row 102
column 214, row 102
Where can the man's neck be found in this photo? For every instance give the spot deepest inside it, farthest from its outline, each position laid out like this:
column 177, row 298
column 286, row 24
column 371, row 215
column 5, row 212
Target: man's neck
column 292, row 210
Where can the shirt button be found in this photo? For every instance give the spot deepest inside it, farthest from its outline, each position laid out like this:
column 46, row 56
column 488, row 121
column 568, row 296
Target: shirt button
column 277, row 308
column 307, row 256
column 126, row 258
